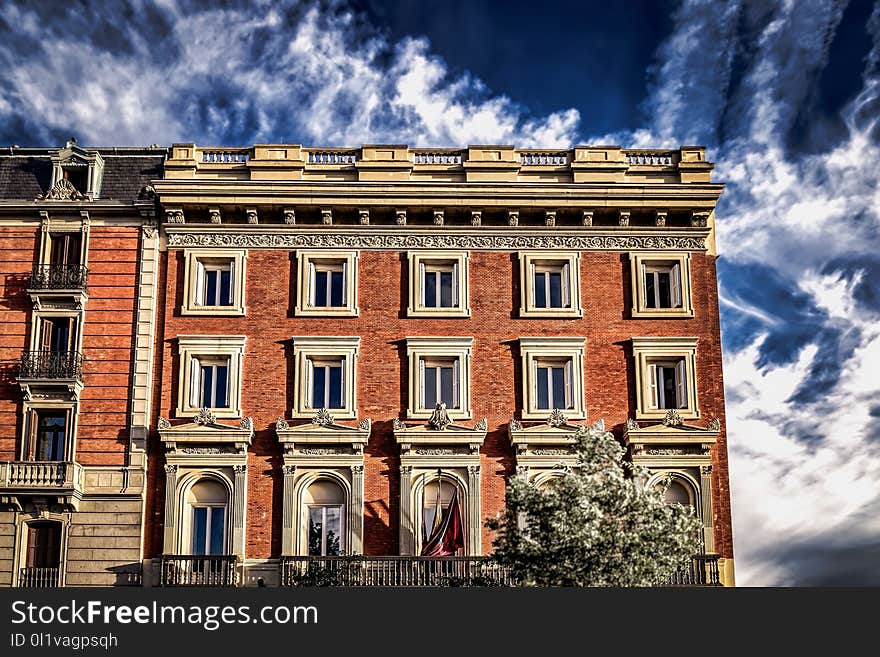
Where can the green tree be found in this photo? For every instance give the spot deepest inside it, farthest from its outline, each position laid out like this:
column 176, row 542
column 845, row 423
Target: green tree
column 596, row 525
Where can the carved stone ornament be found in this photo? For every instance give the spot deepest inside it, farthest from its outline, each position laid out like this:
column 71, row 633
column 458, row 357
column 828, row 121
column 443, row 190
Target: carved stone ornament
column 349, row 240
column 482, row 425
column 149, row 231
column 439, row 419
column 623, row 217
column 205, row 417
column 252, row 216
column 357, row 469
column 322, row 418
column 174, row 216
column 246, row 423
column 397, row 424
column 514, row 425
column 163, row 423
column 660, row 218
column 546, row 451
column 170, row 469
column 288, row 470
column 513, row 218
column 400, row 217
column 587, row 218
column 281, row 424
column 290, row 217
column 214, row 216
column 326, row 217
column 365, row 424
column 550, row 218
column 438, row 217
column 522, row 470
column 364, row 217
column 208, row 450
column 631, row 424
column 714, row 425
column 598, row 425
column 62, row 190
column 406, row 470
column 239, row 469
column 706, row 470
column 699, row 219
column 557, row 418
column 146, row 193
column 672, row 419
column 476, row 217
column 322, row 451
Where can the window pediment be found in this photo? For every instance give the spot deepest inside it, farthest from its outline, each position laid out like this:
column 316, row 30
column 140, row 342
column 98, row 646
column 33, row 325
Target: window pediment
column 671, row 442
column 323, row 430
column 204, row 437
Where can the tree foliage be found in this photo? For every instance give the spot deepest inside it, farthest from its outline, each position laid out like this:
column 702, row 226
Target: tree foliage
column 598, row 524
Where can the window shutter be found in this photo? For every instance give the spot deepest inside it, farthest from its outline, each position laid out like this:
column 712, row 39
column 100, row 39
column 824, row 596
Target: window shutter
column 456, row 370
column 675, row 286
column 531, row 293
column 311, row 287
column 342, row 395
column 422, row 401
column 565, row 286
column 199, row 284
column 534, row 386
column 653, row 400
column 67, row 451
column 33, row 421
column 71, row 334
column 455, row 285
column 421, row 284
column 307, row 384
column 644, row 286
column 195, row 382
column 32, row 542
column 568, row 378
column 681, row 383
column 232, row 296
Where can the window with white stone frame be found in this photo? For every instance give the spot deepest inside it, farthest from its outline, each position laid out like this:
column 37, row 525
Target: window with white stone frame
column 661, row 285
column 438, row 284
column 214, row 282
column 553, row 373
column 550, row 284
column 324, row 375
column 327, row 283
column 665, row 369
column 210, row 374
column 439, row 371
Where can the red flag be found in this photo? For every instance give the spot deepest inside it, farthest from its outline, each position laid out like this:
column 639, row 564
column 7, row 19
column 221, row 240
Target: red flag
column 448, row 537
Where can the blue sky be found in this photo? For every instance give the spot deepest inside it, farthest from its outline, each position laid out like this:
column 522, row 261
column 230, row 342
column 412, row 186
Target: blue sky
column 786, row 95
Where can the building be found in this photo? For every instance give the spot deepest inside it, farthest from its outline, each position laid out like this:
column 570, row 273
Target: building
column 293, row 318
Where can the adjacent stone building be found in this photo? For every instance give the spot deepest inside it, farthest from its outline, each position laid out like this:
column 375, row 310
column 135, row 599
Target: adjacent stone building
column 290, row 353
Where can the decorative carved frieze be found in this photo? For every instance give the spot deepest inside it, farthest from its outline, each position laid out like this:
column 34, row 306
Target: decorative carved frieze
column 339, row 240
column 673, row 451
column 207, row 450
column 439, row 451
column 547, row 451
column 322, row 451
column 357, row 469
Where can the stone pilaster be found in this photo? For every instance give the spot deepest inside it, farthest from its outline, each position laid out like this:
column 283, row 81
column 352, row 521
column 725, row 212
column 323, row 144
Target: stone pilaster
column 239, row 507
column 407, row 529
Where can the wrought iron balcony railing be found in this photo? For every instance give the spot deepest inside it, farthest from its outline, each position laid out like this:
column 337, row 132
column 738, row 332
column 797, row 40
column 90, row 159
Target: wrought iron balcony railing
column 393, row 571
column 51, row 365
column 193, row 570
column 39, row 578
column 701, row 571
column 60, row 277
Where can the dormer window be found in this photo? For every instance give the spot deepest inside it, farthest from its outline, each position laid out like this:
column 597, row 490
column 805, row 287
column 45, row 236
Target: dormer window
column 79, row 168
column 78, row 176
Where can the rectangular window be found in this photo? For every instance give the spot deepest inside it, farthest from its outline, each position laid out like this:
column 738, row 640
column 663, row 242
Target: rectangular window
column 48, row 436
column 328, row 284
column 57, row 334
column 65, row 248
column 439, row 284
column 211, row 379
column 439, row 380
column 325, row 531
column 662, row 286
column 668, row 384
column 43, row 545
column 550, row 285
column 208, row 530
column 216, row 282
column 327, row 388
column 553, row 385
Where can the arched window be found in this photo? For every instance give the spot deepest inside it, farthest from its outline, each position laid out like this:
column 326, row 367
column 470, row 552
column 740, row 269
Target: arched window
column 208, row 501
column 325, row 505
column 678, row 493
column 443, row 488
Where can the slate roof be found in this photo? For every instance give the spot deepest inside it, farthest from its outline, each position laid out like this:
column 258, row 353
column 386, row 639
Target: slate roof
column 24, row 176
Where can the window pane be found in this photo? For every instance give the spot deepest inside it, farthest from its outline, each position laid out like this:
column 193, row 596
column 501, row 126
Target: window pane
column 663, row 289
column 543, row 396
column 558, row 374
column 446, row 289
column 650, row 290
column 221, row 398
column 555, row 290
column 218, row 518
column 333, row 531
column 335, row 387
column 430, row 387
column 50, row 437
column 319, row 378
column 316, row 526
column 321, row 288
column 225, row 288
column 446, row 387
column 540, row 290
column 207, row 385
column 667, row 382
column 431, row 289
column 200, row 529
column 210, row 288
column 337, row 287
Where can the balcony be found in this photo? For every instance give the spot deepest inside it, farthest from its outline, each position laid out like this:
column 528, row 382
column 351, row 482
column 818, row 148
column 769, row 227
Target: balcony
column 61, row 481
column 51, row 365
column 39, row 578
column 59, row 277
column 441, row 571
column 192, row 570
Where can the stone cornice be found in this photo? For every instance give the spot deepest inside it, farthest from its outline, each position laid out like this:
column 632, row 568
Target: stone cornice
column 380, row 238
